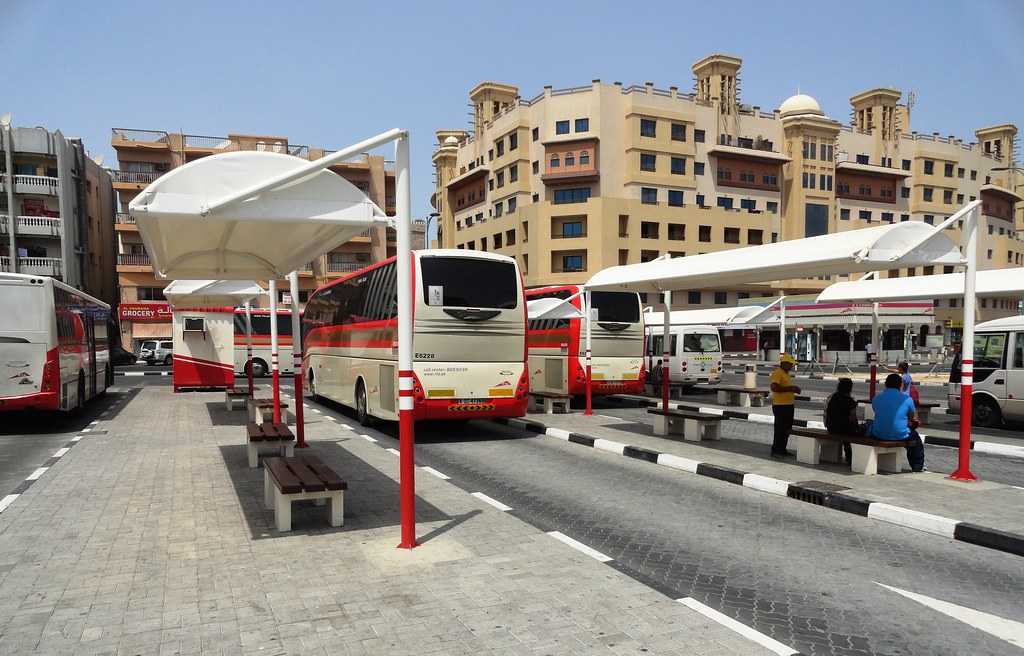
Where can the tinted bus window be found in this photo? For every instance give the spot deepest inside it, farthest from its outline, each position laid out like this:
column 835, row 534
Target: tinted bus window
column 471, row 283
column 616, row 307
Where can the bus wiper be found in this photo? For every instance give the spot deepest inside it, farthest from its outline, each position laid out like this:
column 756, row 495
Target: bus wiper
column 471, row 314
column 613, row 326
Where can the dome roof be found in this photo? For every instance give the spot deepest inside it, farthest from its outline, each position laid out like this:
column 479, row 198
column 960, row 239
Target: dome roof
column 800, row 104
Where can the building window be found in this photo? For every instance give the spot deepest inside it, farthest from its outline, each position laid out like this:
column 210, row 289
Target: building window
column 679, row 165
column 564, row 196
column 583, row 125
column 648, row 127
column 561, row 127
column 721, row 298
column 929, row 167
column 773, row 207
column 732, row 235
column 535, row 134
column 947, row 196
column 725, row 202
column 755, row 237
column 647, row 162
column 555, row 163
column 536, row 167
column 675, row 198
column 572, row 263
column 648, row 196
column 698, row 136
column 572, row 229
column 693, row 298
column 698, row 168
column 570, row 159
column 864, row 215
column 511, row 204
column 678, row 132
column 844, row 214
column 928, row 193
column 584, row 158
column 704, row 233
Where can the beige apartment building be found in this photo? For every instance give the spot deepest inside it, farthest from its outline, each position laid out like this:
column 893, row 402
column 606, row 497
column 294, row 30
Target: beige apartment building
column 575, row 180
column 145, row 155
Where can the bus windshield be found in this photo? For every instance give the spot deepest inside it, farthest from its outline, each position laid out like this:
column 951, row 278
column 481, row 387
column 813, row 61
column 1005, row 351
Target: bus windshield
column 701, row 343
column 469, row 282
column 616, row 307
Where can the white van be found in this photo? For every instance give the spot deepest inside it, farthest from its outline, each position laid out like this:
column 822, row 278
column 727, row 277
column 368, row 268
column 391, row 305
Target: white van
column 998, row 373
column 695, row 352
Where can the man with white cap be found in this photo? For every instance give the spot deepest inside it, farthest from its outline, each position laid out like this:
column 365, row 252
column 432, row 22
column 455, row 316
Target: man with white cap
column 783, row 399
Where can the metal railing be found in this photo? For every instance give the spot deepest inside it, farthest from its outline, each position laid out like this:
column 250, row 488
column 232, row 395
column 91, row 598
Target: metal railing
column 42, row 183
column 133, row 177
column 200, row 141
column 45, row 266
column 124, row 218
column 148, row 136
column 133, row 259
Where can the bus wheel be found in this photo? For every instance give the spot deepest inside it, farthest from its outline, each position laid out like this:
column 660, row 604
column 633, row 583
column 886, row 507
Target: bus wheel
column 986, row 413
column 81, row 392
column 259, row 368
column 362, row 411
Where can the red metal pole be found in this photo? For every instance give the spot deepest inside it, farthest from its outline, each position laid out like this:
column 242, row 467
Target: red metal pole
column 963, row 468
column 406, row 460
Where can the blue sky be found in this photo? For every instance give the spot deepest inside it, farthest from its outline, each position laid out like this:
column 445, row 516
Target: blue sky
column 332, row 73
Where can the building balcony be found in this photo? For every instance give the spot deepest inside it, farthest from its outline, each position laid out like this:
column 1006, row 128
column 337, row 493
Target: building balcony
column 125, row 221
column 133, row 263
column 36, row 226
column 34, row 266
column 129, row 138
column 36, row 184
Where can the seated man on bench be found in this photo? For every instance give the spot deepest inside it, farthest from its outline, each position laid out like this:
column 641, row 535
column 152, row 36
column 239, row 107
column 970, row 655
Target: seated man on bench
column 895, row 420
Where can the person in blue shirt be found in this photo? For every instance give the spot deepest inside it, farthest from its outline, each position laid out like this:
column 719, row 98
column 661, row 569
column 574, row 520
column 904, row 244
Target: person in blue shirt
column 895, row 420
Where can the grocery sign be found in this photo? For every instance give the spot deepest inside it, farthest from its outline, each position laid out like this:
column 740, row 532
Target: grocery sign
column 145, row 312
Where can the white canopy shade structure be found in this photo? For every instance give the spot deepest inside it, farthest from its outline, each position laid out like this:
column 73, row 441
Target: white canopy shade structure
column 912, row 243
column 552, row 308
column 212, row 293
column 711, row 316
column 993, row 282
column 190, row 218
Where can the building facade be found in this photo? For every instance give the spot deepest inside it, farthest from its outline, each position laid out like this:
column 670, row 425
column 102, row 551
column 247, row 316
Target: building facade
column 145, row 155
column 56, row 211
column 576, row 180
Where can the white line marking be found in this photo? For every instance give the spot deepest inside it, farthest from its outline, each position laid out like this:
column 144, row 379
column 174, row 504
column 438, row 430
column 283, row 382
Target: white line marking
column 558, row 432
column 7, row 500
column 36, row 474
column 431, row 470
column 1004, row 629
column 494, row 502
column 390, row 450
column 770, row 644
column 913, row 519
column 678, row 462
column 346, row 427
column 766, row 484
column 60, row 452
column 367, row 437
column 579, row 546
column 77, row 437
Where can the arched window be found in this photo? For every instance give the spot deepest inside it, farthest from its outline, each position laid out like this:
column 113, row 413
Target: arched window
column 584, row 158
column 570, row 159
column 554, row 161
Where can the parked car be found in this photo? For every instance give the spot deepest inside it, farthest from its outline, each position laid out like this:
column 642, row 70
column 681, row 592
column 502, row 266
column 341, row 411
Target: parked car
column 154, row 351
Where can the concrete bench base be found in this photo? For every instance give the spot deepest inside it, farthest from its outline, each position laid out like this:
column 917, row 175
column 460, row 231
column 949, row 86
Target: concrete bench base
column 550, row 404
column 282, row 503
column 692, row 430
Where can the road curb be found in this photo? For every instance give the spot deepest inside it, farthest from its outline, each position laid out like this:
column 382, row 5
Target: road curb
column 976, row 534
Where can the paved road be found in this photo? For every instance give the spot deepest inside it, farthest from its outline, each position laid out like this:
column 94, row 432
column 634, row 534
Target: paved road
column 801, row 574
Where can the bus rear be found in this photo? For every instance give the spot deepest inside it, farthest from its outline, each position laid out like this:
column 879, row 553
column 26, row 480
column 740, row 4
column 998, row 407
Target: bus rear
column 29, row 357
column 469, row 338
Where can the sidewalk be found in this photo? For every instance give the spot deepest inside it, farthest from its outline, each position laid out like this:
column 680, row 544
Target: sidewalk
column 928, row 500
column 151, row 538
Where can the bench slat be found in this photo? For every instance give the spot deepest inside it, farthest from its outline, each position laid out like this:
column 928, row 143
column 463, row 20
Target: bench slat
column 282, row 476
column 685, row 414
column 325, row 473
column 310, row 481
column 820, row 434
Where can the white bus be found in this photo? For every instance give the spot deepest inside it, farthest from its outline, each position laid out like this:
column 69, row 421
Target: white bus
column 695, row 352
column 998, row 373
column 469, row 338
column 261, row 342
column 54, row 349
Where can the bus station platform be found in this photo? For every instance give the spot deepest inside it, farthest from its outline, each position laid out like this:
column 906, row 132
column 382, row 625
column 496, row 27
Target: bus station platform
column 149, row 536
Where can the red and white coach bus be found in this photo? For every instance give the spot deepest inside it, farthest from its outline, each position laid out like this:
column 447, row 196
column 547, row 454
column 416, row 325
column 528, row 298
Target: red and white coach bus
column 54, row 350
column 558, row 346
column 469, row 338
column 261, row 342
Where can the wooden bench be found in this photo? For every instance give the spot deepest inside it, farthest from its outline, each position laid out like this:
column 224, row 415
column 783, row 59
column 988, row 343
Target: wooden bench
column 261, row 410
column 301, row 478
column 551, row 402
column 233, row 395
column 693, row 426
column 923, row 410
column 268, row 436
column 869, row 455
column 744, row 397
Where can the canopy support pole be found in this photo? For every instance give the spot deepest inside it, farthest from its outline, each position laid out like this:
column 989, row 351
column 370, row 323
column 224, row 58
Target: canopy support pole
column 300, row 426
column 963, row 470
column 248, row 346
column 590, row 376
column 406, row 422
column 666, row 348
column 275, row 380
column 876, row 339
